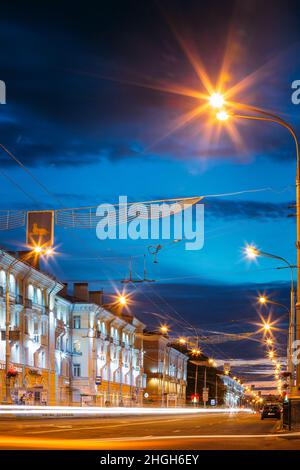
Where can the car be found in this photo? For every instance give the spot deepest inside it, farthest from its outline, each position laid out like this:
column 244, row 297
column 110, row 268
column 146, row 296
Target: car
column 271, row 411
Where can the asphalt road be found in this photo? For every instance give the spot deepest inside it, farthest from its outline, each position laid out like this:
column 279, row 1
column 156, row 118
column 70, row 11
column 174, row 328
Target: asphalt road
column 213, row 431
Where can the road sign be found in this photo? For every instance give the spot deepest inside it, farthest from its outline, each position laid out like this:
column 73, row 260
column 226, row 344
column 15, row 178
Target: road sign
column 40, row 228
column 205, row 395
column 98, row 380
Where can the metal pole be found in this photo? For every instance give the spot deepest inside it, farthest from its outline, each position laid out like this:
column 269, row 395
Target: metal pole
column 196, row 380
column 297, row 319
column 204, row 384
column 163, row 380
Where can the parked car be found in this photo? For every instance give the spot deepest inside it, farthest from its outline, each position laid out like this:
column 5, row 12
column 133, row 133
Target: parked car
column 271, row 411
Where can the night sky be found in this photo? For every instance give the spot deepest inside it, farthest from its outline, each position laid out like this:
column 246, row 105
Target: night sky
column 94, row 94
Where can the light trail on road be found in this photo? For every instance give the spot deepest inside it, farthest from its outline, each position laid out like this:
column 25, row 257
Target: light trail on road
column 19, row 410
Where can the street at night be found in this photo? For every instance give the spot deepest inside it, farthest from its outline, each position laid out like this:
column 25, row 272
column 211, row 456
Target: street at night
column 242, row 431
column 149, row 232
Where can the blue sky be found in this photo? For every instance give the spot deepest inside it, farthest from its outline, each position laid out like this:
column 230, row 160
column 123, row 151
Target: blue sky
column 85, row 115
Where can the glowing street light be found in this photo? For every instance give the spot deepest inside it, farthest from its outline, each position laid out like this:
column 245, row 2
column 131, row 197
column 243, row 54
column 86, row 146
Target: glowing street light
column 182, row 341
column 222, row 115
column 122, row 300
column 267, row 327
column 251, row 252
column 262, row 299
column 164, row 329
column 216, row 100
column 37, row 249
column 271, row 354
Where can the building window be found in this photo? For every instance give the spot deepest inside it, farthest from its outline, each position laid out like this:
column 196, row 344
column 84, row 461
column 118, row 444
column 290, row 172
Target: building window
column 2, row 278
column 43, row 359
column 30, row 292
column 76, row 322
column 39, row 296
column 76, row 346
column 12, row 284
column 44, row 328
column 26, row 325
column 76, row 370
column 17, row 319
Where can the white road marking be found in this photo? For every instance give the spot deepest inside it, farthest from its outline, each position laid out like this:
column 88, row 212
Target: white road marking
column 105, row 427
column 202, row 436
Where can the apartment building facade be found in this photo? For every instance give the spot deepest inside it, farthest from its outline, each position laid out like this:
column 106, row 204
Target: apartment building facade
column 65, row 349
column 166, row 371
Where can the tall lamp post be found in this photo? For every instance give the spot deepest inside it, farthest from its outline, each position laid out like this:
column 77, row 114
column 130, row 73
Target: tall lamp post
column 218, row 102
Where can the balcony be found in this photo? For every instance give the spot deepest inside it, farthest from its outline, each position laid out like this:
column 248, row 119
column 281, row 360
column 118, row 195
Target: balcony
column 14, row 335
column 76, row 353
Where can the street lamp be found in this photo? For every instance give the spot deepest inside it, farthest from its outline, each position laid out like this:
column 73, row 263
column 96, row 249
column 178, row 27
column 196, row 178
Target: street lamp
column 267, row 327
column 216, row 100
column 222, row 115
column 263, row 300
column 164, row 329
column 260, row 115
column 122, row 300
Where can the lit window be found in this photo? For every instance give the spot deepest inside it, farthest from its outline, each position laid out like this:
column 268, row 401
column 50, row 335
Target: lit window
column 2, row 278
column 76, row 346
column 12, row 284
column 30, row 291
column 39, row 296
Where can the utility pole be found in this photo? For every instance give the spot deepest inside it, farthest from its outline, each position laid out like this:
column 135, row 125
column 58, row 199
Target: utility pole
column 204, row 388
column 163, row 379
column 196, row 380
